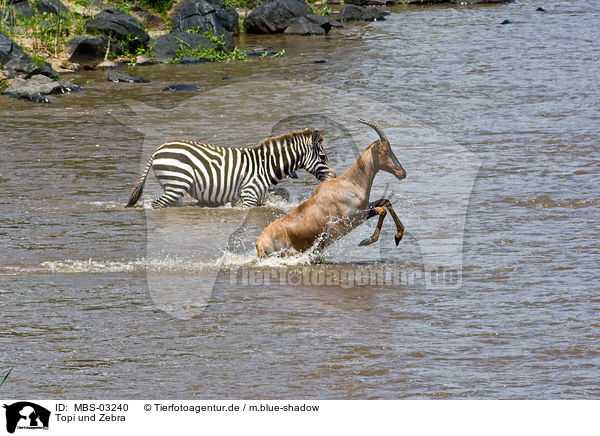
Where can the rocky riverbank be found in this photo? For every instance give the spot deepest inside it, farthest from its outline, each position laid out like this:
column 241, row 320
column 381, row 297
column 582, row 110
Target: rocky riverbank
column 44, row 39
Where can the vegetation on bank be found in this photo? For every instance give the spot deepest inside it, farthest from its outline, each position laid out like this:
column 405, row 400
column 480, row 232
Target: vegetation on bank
column 44, row 36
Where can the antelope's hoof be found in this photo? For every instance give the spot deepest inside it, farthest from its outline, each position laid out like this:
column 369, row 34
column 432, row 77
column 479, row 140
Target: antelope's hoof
column 398, row 238
column 364, row 242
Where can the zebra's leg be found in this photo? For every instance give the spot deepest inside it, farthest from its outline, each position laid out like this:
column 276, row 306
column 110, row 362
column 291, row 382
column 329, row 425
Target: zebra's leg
column 171, row 195
column 249, row 196
column 399, row 226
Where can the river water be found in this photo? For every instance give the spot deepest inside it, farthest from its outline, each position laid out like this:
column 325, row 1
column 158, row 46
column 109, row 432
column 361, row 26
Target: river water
column 497, row 127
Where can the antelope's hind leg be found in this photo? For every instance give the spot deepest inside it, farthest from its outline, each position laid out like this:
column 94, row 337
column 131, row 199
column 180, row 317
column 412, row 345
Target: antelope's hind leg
column 399, row 226
column 375, row 236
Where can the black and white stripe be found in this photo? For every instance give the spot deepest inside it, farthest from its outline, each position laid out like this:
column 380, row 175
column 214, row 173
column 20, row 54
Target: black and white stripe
column 217, row 175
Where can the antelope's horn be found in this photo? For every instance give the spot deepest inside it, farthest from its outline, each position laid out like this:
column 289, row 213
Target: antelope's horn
column 375, row 127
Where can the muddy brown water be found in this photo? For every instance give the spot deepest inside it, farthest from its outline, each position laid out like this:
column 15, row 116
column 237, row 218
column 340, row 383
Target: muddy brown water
column 497, row 126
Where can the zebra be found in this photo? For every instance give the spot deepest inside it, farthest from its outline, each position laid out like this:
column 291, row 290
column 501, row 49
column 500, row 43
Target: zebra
column 216, row 175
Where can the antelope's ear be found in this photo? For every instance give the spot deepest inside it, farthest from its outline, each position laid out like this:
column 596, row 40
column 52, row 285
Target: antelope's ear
column 316, row 137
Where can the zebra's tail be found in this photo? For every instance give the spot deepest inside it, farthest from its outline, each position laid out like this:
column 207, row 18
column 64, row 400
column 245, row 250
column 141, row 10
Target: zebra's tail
column 139, row 185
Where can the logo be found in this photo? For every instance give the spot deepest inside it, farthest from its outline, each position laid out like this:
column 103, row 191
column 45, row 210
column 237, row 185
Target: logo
column 25, row 415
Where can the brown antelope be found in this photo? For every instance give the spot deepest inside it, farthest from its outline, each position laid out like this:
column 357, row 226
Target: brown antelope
column 337, row 206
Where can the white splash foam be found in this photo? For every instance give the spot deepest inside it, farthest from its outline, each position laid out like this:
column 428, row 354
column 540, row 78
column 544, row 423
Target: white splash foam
column 108, row 205
column 167, row 265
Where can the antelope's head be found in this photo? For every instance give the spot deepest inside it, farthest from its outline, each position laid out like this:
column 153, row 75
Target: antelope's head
column 383, row 154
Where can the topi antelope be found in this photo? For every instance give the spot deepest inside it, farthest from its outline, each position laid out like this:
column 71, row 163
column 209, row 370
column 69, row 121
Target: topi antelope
column 337, row 206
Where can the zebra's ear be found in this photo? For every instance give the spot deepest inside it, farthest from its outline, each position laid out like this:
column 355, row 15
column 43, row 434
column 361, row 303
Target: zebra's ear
column 316, row 137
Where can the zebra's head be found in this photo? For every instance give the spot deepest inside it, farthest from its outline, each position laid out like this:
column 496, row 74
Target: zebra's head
column 315, row 160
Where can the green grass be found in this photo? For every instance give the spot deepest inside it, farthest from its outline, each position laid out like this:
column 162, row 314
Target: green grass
column 246, row 4
column 212, row 54
column 48, row 32
column 5, row 377
column 324, row 10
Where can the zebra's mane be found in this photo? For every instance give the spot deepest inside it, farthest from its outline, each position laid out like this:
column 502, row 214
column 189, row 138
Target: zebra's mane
column 284, row 138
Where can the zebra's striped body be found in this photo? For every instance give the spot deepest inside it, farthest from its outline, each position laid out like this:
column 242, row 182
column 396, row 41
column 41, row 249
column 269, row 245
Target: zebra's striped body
column 216, row 175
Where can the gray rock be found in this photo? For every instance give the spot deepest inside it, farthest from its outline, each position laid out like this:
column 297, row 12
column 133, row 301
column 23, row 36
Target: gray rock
column 166, row 47
column 191, row 60
column 86, row 50
column 275, row 16
column 13, row 59
column 144, row 60
column 37, row 87
column 206, row 15
column 118, row 25
column 369, row 2
column 22, row 7
column 325, row 22
column 68, row 86
column 109, row 65
column 304, row 26
column 125, row 78
column 261, row 51
column 177, row 87
column 47, row 70
column 359, row 13
column 51, row 7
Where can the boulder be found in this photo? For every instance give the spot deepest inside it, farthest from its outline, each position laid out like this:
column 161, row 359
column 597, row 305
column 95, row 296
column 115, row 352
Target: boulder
column 325, row 22
column 21, row 7
column 118, row 25
column 144, row 60
column 13, row 60
column 86, row 50
column 109, row 65
column 360, row 13
column 261, row 51
column 206, row 15
column 38, row 86
column 147, row 18
column 275, row 16
column 51, row 7
column 167, row 46
column 178, row 87
column 125, row 78
column 304, row 26
column 47, row 70
column 191, row 60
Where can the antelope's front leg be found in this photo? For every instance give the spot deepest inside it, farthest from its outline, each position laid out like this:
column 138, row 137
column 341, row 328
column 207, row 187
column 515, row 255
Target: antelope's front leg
column 375, row 236
column 399, row 226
